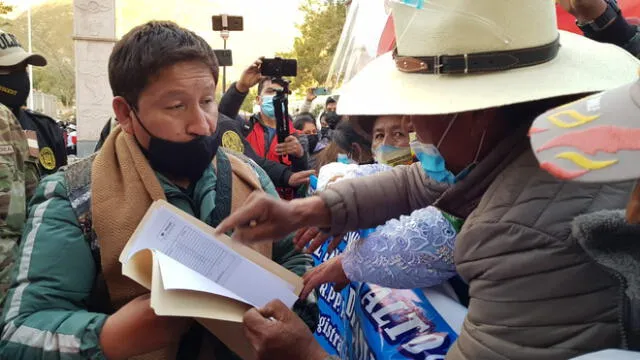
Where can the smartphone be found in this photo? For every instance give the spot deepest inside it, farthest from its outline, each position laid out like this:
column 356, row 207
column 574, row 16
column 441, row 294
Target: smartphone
column 320, row 91
column 234, row 23
column 225, row 57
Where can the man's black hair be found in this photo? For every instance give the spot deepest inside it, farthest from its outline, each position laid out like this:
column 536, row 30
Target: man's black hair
column 148, row 49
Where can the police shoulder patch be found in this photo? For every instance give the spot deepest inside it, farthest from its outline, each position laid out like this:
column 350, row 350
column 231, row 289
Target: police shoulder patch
column 231, row 140
column 47, row 158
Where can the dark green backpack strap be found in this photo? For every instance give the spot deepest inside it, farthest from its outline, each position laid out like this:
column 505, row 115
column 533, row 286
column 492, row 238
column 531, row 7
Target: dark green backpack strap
column 224, row 182
column 78, row 179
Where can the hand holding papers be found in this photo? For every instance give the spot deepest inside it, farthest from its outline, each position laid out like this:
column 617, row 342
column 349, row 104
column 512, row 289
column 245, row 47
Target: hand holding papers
column 191, row 273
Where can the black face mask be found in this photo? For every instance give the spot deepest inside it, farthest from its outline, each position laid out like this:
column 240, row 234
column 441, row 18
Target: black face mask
column 324, row 132
column 313, row 142
column 14, row 90
column 332, row 119
column 181, row 159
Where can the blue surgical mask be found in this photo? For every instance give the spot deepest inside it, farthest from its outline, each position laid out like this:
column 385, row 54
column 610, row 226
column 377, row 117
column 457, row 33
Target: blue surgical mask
column 418, row 4
column 346, row 159
column 433, row 162
column 267, row 107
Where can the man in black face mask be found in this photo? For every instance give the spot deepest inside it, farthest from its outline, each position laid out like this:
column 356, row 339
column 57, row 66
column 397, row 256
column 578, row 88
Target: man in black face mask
column 51, row 152
column 166, row 146
column 329, row 120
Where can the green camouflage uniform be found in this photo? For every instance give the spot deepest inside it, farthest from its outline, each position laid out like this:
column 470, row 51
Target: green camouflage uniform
column 18, row 180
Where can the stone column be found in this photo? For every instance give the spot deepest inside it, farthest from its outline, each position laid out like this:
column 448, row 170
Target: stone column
column 95, row 35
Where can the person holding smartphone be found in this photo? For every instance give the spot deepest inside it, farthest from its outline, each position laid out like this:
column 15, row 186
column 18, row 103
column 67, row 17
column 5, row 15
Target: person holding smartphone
column 312, row 94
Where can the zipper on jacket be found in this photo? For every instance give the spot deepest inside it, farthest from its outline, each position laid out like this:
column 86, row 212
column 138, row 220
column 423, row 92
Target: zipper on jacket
column 175, row 193
column 624, row 308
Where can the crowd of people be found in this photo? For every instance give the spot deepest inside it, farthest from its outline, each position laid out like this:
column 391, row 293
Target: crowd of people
column 428, row 147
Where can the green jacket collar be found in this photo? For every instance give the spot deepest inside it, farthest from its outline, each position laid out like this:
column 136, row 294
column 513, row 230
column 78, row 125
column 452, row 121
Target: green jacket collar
column 198, row 200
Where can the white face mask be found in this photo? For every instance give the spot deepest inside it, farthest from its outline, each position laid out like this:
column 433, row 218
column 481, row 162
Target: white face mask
column 393, row 155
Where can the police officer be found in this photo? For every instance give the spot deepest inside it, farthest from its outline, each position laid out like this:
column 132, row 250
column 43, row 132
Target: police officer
column 14, row 90
column 19, row 151
column 52, row 148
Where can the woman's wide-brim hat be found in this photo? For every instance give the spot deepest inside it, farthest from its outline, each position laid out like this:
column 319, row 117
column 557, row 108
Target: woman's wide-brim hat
column 464, row 55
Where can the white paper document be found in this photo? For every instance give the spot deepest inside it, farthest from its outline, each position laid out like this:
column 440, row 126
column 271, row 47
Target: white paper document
column 176, row 276
column 192, row 259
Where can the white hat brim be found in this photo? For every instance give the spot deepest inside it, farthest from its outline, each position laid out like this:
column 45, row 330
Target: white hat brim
column 582, row 66
column 20, row 57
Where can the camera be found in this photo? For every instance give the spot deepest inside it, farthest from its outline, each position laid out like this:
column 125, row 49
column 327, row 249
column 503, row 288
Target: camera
column 278, row 67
